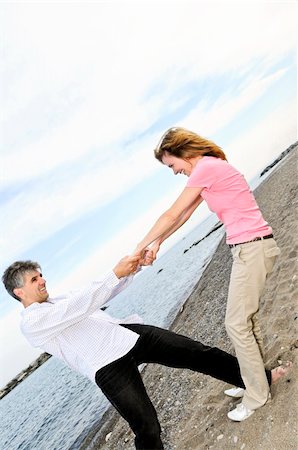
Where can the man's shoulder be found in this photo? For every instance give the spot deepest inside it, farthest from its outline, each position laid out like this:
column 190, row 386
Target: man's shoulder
column 39, row 307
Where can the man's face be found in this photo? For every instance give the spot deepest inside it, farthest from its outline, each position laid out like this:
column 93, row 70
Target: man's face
column 34, row 288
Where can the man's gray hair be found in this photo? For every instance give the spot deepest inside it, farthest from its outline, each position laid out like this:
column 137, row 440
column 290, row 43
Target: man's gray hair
column 13, row 277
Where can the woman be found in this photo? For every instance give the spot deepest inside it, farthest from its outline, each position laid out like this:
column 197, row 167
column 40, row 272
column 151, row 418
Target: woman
column 254, row 250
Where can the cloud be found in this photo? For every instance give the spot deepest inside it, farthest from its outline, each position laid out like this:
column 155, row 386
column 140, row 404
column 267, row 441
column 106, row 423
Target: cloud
column 230, row 104
column 262, row 143
column 88, row 89
column 50, row 203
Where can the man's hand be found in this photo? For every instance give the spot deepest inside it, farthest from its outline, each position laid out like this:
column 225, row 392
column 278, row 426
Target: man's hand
column 127, row 265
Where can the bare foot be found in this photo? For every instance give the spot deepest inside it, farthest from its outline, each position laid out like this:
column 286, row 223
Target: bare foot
column 281, row 371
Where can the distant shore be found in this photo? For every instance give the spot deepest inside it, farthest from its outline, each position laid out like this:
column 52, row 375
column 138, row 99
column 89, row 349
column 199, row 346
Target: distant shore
column 24, row 374
column 191, row 407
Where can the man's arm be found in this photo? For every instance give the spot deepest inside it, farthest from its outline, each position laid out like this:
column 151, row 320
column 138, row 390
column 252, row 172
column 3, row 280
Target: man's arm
column 44, row 321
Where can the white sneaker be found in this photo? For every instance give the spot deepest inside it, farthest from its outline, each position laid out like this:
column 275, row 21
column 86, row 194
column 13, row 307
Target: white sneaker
column 235, row 392
column 240, row 413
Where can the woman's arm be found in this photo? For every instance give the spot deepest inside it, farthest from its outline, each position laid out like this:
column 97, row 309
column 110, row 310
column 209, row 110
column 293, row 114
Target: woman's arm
column 150, row 256
column 173, row 218
column 181, row 220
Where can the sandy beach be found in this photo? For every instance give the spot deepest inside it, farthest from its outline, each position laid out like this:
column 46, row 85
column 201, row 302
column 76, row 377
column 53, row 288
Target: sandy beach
column 191, row 407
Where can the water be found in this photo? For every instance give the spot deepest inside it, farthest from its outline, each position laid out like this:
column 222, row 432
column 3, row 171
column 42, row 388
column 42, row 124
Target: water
column 55, row 408
column 49, row 409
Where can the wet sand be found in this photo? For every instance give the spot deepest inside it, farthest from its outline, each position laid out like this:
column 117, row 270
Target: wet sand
column 191, row 407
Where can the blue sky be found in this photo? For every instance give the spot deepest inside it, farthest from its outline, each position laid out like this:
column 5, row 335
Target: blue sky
column 88, row 88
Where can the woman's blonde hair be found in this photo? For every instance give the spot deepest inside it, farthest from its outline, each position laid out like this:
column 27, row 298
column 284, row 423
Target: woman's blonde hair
column 186, row 144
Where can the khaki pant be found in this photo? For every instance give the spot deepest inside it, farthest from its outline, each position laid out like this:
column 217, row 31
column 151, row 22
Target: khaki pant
column 252, row 262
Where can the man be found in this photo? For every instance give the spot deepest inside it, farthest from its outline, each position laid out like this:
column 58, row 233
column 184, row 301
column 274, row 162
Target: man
column 74, row 328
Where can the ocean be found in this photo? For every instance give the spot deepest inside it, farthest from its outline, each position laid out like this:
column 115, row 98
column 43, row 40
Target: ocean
column 55, row 408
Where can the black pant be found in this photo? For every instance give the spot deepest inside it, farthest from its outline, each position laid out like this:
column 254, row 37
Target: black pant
column 122, row 384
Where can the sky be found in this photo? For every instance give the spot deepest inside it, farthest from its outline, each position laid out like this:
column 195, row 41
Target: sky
column 87, row 90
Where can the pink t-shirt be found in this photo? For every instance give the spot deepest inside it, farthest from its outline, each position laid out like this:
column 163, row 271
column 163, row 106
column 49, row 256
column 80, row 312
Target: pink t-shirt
column 229, row 196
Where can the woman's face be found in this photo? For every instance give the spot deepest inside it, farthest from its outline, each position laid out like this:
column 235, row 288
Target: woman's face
column 179, row 165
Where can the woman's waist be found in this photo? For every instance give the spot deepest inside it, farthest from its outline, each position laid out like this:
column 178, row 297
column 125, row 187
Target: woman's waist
column 238, row 236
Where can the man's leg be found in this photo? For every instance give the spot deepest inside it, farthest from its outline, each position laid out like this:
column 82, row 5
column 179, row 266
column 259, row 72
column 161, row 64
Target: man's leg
column 161, row 346
column 121, row 383
column 247, row 282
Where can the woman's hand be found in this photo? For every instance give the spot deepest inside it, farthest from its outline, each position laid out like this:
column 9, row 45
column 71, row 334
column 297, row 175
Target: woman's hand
column 147, row 258
column 148, row 255
column 154, row 248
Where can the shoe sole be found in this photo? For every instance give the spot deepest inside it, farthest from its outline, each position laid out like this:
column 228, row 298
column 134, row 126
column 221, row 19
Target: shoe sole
column 240, row 420
column 228, row 392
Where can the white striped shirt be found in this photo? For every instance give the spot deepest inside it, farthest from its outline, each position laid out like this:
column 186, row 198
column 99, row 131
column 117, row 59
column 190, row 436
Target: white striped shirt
column 73, row 328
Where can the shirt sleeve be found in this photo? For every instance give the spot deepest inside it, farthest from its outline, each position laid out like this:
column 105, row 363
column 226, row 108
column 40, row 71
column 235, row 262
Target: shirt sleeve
column 43, row 321
column 204, row 174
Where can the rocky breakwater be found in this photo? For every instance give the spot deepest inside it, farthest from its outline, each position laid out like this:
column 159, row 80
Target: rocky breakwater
column 24, row 374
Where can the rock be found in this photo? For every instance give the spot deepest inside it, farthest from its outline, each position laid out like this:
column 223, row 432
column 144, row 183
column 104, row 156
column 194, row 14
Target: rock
column 108, row 436
column 219, row 437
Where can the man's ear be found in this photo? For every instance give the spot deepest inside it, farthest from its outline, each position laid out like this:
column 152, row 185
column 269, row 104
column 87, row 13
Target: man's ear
column 18, row 292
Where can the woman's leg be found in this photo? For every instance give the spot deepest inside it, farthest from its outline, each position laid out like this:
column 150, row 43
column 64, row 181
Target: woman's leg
column 256, row 329
column 121, row 383
column 247, row 282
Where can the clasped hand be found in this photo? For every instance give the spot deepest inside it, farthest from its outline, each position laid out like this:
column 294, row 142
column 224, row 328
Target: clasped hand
column 141, row 257
column 147, row 254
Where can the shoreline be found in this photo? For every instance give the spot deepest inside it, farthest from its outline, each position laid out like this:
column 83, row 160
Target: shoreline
column 169, row 389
